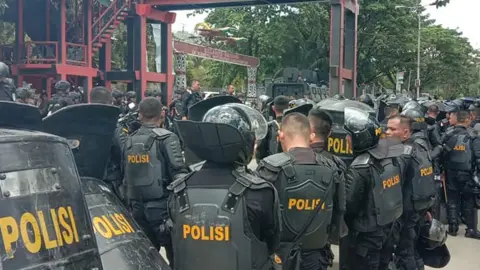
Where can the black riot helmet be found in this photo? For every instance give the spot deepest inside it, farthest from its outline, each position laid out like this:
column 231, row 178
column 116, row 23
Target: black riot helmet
column 4, row 70
column 117, row 94
column 152, row 93
column 75, row 97
column 23, row 93
column 451, row 107
column 131, row 94
column 226, row 135
column 412, row 105
column 367, row 99
column 418, row 118
column 433, row 234
column 363, row 128
column 62, row 85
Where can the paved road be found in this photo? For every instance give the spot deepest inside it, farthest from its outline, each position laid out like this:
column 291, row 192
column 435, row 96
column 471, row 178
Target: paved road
column 465, row 253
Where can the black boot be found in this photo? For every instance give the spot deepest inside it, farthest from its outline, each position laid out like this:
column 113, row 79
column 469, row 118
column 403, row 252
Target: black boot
column 471, row 216
column 472, row 233
column 452, row 229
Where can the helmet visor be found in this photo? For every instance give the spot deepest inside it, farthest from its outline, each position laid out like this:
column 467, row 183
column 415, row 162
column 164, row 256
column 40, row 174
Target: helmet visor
column 356, row 120
column 256, row 119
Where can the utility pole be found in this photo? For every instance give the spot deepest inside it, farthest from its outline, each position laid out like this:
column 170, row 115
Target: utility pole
column 419, row 13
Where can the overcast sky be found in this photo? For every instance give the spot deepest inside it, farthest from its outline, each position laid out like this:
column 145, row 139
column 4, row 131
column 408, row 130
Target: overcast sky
column 458, row 14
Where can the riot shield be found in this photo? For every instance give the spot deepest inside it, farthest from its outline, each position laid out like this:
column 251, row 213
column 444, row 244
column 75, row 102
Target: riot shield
column 435, row 258
column 303, row 109
column 196, row 111
column 44, row 221
column 121, row 242
column 19, row 116
column 90, row 125
column 380, row 108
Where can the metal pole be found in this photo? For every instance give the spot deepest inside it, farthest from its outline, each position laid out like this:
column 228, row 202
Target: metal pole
column 418, row 49
column 409, row 81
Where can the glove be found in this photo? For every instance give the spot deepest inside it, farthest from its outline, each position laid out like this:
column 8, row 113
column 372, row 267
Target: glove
column 476, row 180
column 438, row 180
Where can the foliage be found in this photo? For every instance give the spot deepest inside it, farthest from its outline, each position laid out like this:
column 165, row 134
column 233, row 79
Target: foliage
column 298, row 36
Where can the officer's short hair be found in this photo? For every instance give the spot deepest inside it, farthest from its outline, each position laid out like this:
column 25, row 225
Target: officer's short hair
column 296, row 125
column 404, row 121
column 321, row 122
column 462, row 116
column 281, row 103
column 433, row 108
column 101, row 95
column 150, row 108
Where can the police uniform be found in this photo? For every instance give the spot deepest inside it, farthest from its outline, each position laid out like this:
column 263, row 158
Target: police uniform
column 270, row 144
column 114, row 173
column 306, row 182
column 462, row 161
column 188, row 99
column 224, row 217
column 340, row 229
column 374, row 192
column 418, row 196
column 152, row 159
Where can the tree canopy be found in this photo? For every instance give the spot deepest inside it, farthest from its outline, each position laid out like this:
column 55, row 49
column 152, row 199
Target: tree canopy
column 298, row 36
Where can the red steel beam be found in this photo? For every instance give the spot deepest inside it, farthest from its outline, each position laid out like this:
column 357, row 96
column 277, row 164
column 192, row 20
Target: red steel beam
column 157, row 15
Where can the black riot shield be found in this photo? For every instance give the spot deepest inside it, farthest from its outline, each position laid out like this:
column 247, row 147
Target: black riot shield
column 44, row 221
column 337, row 142
column 435, row 258
column 196, row 111
column 91, row 126
column 303, row 109
column 19, row 116
column 380, row 108
column 121, row 242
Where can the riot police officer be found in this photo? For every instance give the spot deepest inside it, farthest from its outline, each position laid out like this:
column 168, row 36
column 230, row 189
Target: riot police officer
column 321, row 126
column 367, row 99
column 24, row 95
column 175, row 108
column 6, row 86
column 374, row 192
column 306, row 182
column 236, row 211
column 131, row 100
column 270, row 144
column 153, row 159
column 433, row 127
column 59, row 99
column 418, row 186
column 191, row 97
column 462, row 165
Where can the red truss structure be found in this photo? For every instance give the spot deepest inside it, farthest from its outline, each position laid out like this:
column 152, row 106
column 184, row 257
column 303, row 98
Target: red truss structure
column 61, row 49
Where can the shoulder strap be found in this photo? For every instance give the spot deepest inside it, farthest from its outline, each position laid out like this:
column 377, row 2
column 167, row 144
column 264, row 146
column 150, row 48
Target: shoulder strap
column 178, row 187
column 307, row 224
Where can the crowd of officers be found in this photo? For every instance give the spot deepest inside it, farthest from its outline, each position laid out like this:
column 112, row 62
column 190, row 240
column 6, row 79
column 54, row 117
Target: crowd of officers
column 381, row 208
column 284, row 215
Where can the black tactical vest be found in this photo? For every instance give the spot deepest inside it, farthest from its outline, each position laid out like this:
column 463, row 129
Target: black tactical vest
column 274, row 145
column 211, row 229
column 459, row 154
column 301, row 187
column 144, row 169
column 384, row 204
column 423, row 182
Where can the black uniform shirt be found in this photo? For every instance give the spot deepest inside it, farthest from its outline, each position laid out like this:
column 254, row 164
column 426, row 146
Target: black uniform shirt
column 260, row 203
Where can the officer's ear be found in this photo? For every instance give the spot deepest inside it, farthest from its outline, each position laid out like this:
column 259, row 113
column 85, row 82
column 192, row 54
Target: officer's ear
column 281, row 135
column 140, row 116
column 312, row 136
